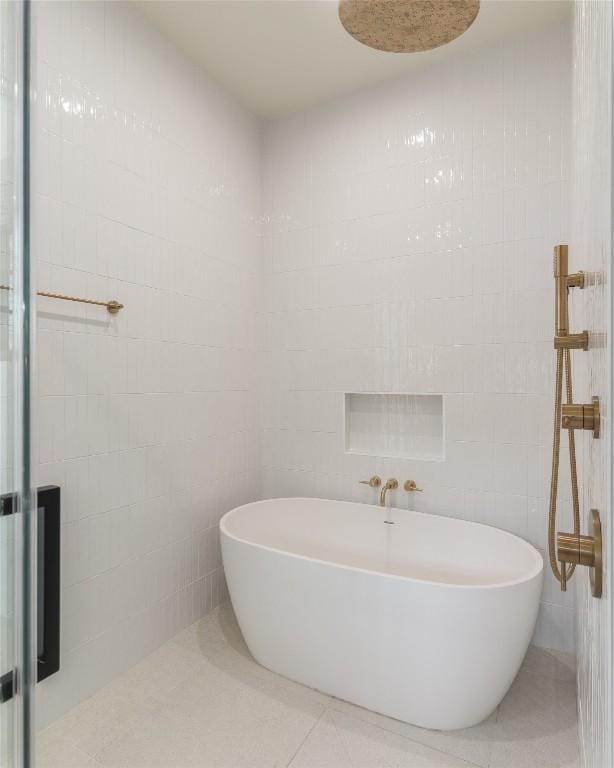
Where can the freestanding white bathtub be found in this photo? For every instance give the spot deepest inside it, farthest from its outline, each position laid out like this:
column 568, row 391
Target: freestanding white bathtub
column 426, row 620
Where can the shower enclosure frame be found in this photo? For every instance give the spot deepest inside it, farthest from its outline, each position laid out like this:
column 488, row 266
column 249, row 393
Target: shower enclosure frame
column 17, row 519
column 609, row 542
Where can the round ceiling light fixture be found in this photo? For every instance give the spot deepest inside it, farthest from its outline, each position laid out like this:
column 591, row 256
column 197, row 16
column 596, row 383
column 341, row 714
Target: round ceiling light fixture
column 407, row 26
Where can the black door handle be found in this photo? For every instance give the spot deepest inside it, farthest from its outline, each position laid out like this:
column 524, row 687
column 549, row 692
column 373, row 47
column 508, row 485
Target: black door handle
column 48, row 587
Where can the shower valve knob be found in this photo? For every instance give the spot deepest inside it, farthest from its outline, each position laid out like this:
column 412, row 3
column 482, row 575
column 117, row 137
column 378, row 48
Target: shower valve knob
column 575, row 549
column 586, row 416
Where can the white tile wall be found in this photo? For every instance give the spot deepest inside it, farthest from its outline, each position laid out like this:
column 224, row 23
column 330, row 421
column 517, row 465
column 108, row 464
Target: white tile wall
column 591, row 250
column 146, row 189
column 409, row 249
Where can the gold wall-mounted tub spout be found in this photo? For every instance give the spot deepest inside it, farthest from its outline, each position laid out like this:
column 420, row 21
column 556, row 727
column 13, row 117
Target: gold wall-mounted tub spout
column 389, row 485
column 583, row 550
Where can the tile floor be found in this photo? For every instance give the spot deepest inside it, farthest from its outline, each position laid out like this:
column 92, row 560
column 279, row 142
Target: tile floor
column 201, row 700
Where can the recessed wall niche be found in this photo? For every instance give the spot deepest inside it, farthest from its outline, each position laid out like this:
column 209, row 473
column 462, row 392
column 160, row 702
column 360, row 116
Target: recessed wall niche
column 408, row 426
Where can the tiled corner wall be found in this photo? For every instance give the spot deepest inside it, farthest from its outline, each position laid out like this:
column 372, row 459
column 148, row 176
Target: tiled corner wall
column 591, row 251
column 409, row 249
column 147, row 190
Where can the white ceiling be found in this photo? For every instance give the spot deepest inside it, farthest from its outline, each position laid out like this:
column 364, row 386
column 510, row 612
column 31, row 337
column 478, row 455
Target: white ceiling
column 278, row 56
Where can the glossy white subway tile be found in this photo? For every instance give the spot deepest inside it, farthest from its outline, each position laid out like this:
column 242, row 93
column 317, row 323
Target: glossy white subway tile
column 432, row 260
column 149, row 195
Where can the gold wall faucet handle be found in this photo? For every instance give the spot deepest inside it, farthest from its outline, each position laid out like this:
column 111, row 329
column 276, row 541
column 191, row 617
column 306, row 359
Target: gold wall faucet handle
column 374, row 482
column 411, row 485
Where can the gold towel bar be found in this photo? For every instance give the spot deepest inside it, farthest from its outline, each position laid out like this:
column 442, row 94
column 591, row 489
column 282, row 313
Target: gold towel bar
column 112, row 306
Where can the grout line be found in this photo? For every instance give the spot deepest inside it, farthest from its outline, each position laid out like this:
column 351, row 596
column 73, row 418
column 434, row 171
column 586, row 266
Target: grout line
column 86, row 756
column 368, row 722
column 307, row 735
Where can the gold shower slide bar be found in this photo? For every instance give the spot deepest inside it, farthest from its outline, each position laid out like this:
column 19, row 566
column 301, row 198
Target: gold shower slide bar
column 112, row 306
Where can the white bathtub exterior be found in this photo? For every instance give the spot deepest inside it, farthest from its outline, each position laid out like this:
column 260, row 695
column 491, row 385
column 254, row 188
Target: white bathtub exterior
column 426, row 620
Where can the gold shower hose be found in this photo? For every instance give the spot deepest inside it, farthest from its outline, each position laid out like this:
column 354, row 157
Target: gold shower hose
column 563, row 367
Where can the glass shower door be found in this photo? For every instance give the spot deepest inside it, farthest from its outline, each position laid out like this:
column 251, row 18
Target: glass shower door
column 16, row 620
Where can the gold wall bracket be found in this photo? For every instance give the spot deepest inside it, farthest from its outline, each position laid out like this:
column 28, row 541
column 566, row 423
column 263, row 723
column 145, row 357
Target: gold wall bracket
column 572, row 341
column 586, row 416
column 583, row 550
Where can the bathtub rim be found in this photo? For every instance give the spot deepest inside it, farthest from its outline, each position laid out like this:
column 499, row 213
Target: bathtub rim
column 534, row 573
